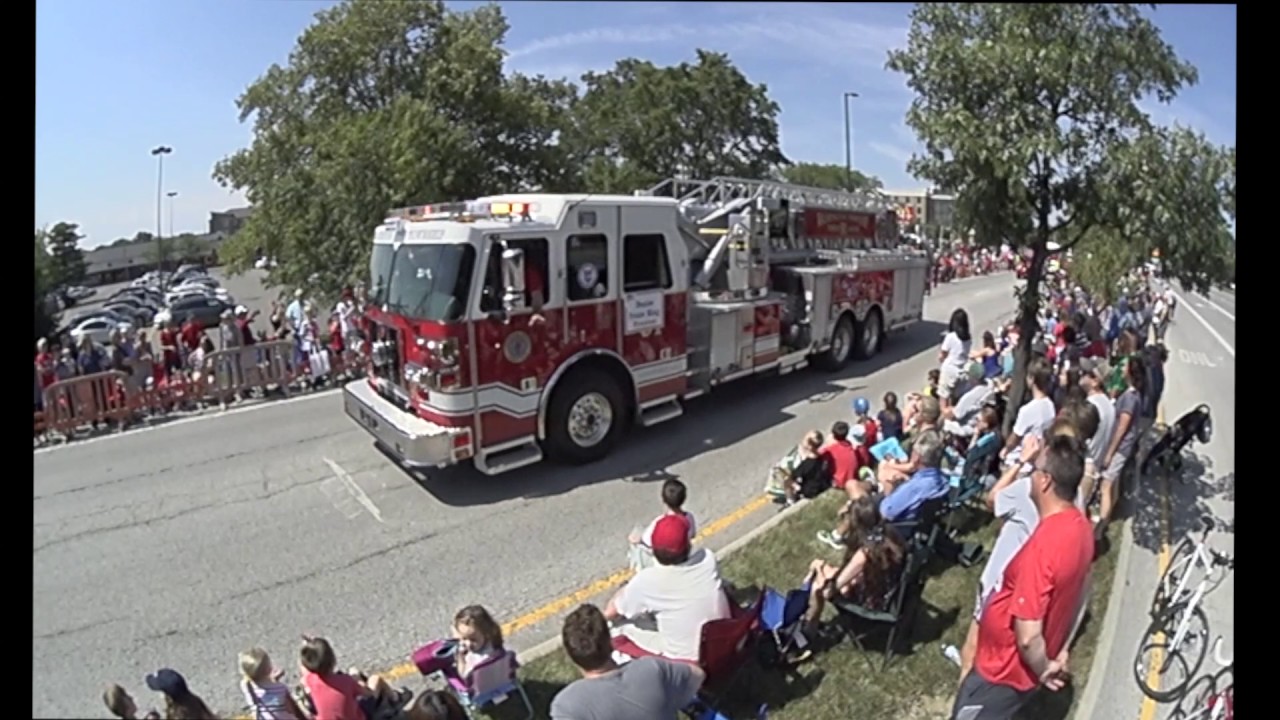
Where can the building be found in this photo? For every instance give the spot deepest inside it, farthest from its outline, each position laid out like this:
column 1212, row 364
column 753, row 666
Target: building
column 121, row 263
column 230, row 221
column 919, row 209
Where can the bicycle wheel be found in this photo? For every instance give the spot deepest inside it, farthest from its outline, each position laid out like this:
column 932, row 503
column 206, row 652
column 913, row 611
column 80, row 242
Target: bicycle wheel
column 1181, row 564
column 1162, row 671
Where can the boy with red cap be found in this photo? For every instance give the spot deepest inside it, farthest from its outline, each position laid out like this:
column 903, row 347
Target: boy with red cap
column 665, row 606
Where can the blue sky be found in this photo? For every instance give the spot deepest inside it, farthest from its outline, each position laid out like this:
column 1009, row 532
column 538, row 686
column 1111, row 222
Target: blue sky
column 114, row 79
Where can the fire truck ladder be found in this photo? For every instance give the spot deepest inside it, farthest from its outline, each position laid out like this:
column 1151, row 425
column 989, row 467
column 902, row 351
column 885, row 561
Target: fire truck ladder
column 722, row 191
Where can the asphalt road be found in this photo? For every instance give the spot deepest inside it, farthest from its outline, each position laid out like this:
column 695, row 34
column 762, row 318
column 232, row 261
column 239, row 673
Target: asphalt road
column 1201, row 369
column 182, row 545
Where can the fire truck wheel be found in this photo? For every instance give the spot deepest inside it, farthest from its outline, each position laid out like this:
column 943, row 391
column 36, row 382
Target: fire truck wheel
column 842, row 343
column 870, row 336
column 585, row 418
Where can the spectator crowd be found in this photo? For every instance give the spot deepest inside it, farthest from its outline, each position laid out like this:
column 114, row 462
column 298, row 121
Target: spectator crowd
column 183, row 365
column 1093, row 385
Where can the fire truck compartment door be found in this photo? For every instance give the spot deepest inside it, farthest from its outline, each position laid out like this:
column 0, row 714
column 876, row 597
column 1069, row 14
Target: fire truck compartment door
column 821, row 321
column 732, row 338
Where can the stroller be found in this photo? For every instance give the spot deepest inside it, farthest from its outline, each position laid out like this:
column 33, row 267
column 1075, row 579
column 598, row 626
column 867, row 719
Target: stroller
column 1166, row 454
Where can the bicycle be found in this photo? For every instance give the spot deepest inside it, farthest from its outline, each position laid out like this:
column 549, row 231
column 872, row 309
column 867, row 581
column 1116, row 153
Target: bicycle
column 1214, row 703
column 1178, row 623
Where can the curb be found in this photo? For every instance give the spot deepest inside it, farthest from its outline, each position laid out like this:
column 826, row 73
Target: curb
column 550, row 645
column 1110, row 621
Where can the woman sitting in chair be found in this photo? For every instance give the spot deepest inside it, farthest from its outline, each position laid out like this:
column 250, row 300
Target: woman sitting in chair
column 869, row 573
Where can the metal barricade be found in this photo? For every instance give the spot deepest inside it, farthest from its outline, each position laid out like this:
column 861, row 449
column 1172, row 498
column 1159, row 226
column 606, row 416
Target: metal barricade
column 86, row 400
column 238, row 370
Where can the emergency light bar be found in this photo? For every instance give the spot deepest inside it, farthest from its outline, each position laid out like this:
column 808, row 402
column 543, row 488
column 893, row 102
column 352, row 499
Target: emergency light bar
column 463, row 211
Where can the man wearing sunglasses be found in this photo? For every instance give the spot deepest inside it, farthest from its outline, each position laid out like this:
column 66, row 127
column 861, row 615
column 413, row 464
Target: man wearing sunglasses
column 1026, row 626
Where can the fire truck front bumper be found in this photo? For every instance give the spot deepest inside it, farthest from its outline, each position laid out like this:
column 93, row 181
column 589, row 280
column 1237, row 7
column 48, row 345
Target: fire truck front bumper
column 413, row 441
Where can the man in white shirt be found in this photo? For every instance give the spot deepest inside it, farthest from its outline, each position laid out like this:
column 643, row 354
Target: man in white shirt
column 1035, row 417
column 665, row 606
column 1093, row 378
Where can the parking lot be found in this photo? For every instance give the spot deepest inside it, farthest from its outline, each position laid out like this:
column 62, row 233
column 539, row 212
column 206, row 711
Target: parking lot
column 245, row 289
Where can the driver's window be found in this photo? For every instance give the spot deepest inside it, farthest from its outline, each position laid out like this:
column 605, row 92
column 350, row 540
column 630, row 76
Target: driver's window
column 536, row 273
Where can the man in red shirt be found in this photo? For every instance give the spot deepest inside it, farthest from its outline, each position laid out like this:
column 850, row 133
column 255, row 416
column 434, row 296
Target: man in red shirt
column 169, row 346
column 1026, row 628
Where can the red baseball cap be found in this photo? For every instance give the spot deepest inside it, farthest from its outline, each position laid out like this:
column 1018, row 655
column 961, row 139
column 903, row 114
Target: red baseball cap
column 671, row 534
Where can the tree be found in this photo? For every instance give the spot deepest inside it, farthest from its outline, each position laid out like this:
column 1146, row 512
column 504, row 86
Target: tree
column 1031, row 112
column 67, row 265
column 43, row 285
column 383, row 105
column 830, row 177
column 639, row 123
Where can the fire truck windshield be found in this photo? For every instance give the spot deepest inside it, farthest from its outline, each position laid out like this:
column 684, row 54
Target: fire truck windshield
column 423, row 282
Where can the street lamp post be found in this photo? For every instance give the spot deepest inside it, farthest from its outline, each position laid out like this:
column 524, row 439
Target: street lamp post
column 159, row 152
column 848, row 140
column 171, row 195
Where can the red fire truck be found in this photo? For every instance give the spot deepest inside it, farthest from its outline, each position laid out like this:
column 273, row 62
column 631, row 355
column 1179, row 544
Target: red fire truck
column 517, row 327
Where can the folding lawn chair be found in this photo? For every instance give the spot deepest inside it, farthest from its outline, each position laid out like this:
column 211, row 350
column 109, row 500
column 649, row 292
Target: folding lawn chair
column 902, row 605
column 489, row 684
column 780, row 617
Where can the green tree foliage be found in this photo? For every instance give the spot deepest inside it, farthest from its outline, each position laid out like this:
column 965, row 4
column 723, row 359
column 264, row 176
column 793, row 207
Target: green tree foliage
column 1031, row 112
column 384, row 104
column 1100, row 261
column 67, row 264
column 639, row 123
column 831, row 177
column 43, row 284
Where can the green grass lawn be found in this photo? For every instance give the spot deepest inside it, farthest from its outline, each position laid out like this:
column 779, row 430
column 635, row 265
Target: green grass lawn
column 840, row 682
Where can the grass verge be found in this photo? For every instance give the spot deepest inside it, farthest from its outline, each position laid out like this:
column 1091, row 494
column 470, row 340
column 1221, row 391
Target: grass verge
column 841, row 682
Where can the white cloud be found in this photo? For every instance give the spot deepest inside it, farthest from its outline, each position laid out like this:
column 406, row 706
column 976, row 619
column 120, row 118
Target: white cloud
column 824, row 40
column 893, row 152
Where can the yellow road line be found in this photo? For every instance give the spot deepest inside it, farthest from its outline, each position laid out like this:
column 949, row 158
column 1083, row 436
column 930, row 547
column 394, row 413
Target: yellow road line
column 1148, row 711
column 586, row 593
column 580, row 596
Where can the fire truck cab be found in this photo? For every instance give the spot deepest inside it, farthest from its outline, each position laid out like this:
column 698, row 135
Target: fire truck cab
column 517, row 327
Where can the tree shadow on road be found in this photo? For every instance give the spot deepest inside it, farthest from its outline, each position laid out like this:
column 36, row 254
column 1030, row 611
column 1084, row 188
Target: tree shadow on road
column 752, row 406
column 1189, row 494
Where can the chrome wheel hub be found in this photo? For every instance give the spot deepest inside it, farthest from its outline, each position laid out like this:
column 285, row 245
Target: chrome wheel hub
column 590, row 420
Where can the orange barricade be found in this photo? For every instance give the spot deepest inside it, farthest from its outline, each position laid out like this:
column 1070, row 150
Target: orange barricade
column 86, row 400
column 238, row 370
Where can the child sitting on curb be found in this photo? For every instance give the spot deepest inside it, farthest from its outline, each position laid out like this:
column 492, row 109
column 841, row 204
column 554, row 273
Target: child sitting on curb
column 674, row 495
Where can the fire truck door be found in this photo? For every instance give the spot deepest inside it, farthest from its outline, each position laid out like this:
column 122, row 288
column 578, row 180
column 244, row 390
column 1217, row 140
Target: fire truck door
column 589, row 282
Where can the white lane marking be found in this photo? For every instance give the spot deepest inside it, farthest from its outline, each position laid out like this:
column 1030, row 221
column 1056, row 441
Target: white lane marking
column 1190, row 357
column 353, row 488
column 1216, row 335
column 187, row 420
column 1219, row 308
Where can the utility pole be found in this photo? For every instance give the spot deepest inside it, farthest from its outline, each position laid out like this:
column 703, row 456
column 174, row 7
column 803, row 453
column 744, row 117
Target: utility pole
column 159, row 152
column 848, row 141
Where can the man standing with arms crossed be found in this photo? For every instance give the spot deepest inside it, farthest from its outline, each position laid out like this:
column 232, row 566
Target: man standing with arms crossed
column 1025, row 630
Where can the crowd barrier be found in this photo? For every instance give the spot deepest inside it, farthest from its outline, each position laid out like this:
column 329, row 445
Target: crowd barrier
column 115, row 399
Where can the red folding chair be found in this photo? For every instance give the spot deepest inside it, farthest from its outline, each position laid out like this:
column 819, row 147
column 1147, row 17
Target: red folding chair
column 727, row 645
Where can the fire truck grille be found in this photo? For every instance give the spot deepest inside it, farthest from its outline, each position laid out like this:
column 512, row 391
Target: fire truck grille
column 387, row 354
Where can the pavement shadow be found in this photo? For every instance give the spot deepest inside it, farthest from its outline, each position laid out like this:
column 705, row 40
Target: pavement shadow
column 1195, row 700
column 1189, row 493
column 753, row 406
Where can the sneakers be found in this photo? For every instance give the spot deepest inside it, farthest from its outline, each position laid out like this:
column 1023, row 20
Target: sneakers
column 827, row 537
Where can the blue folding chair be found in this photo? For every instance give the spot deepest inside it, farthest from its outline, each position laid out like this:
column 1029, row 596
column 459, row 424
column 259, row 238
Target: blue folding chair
column 701, row 711
column 780, row 617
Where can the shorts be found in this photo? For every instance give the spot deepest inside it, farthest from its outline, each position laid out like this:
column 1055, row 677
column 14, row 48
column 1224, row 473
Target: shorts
column 1090, row 479
column 979, row 699
column 946, row 385
column 1112, row 472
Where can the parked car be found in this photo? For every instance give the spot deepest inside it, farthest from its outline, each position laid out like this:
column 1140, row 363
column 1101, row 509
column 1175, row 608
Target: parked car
column 98, row 330
column 188, row 291
column 206, row 309
column 137, row 309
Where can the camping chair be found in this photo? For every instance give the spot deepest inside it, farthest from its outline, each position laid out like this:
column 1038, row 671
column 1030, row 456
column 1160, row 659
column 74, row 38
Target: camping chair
column 780, row 617
column 725, row 649
column 901, row 606
column 968, row 477
column 924, row 530
column 701, row 711
column 491, row 683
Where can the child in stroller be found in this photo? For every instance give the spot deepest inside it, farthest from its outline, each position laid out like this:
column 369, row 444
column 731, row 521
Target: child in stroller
column 1166, row 453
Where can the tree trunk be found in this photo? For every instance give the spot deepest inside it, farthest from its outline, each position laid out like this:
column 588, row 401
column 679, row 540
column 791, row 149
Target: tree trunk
column 1028, row 309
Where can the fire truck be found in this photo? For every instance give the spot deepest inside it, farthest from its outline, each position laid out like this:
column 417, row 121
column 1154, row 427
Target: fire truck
column 513, row 328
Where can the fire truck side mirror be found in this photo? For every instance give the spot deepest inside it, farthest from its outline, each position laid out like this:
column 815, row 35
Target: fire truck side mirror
column 512, row 280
